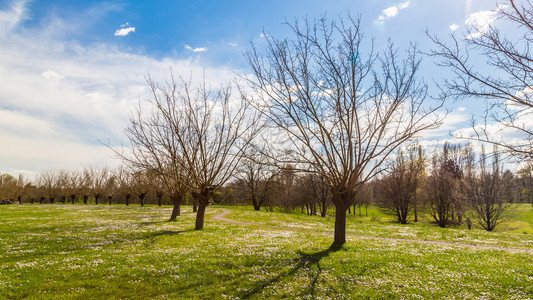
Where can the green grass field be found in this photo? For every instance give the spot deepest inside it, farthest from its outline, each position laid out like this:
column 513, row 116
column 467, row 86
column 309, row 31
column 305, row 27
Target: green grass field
column 106, row 252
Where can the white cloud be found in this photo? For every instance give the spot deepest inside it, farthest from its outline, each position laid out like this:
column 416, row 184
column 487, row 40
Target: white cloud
column 262, row 35
column 454, row 27
column 51, row 75
column 197, row 49
column 460, row 109
column 391, row 12
column 59, row 97
column 232, row 44
column 124, row 30
column 479, row 22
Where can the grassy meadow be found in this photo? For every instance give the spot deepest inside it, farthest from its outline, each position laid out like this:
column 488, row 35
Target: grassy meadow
column 109, row 252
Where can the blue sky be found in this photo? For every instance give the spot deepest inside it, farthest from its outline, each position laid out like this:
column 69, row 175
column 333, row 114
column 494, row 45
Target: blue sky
column 72, row 71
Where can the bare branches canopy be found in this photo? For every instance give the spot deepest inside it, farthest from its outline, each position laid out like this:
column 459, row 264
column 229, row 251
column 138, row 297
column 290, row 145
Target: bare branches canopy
column 489, row 66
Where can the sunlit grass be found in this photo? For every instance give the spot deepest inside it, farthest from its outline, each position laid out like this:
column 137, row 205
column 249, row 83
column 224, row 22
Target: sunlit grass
column 76, row 251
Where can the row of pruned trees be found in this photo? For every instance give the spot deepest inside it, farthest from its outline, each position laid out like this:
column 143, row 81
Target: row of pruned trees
column 89, row 185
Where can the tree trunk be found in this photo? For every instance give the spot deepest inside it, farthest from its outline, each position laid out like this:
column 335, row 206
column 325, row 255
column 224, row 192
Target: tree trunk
column 340, row 225
column 200, row 214
column 110, row 198
column 176, row 210
column 324, row 208
column 194, row 205
column 128, row 196
column 85, row 199
column 159, row 199
column 96, row 198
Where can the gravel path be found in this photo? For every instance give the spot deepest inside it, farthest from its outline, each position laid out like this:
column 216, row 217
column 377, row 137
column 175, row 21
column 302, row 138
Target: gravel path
column 222, row 217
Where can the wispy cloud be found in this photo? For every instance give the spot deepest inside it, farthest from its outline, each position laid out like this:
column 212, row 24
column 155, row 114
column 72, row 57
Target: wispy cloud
column 124, row 30
column 390, row 12
column 454, row 27
column 51, row 75
column 197, row 49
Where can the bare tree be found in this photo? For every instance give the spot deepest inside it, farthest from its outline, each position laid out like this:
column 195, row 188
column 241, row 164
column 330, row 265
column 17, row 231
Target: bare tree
column 504, row 80
column 96, row 181
column 442, row 184
column 50, row 184
column 488, row 191
column 400, row 184
column 257, row 180
column 340, row 107
column 321, row 192
column 124, row 181
column 196, row 133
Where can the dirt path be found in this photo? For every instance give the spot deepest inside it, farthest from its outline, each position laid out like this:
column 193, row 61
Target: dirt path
column 222, row 217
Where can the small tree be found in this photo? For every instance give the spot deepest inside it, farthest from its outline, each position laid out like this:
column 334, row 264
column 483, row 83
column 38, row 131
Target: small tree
column 400, row 184
column 256, row 179
column 488, row 191
column 441, row 189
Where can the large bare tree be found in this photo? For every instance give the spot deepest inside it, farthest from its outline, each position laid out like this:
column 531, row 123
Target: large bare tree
column 495, row 67
column 196, row 133
column 339, row 106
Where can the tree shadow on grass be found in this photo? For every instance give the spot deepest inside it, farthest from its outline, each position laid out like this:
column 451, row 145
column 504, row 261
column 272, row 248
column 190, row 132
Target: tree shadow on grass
column 305, row 261
column 155, row 234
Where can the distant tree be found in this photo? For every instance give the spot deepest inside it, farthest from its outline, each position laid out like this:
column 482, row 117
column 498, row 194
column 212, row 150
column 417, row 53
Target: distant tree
column 8, row 187
column 49, row 183
column 400, row 185
column 97, row 181
column 256, row 180
column 442, row 184
column 72, row 184
column 321, row 192
column 111, row 187
column 339, row 108
column 124, row 181
column 495, row 66
column 363, row 198
column 525, row 177
column 488, row 191
column 142, row 185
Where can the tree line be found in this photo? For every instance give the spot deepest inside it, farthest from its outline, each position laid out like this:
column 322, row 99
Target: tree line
column 447, row 186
